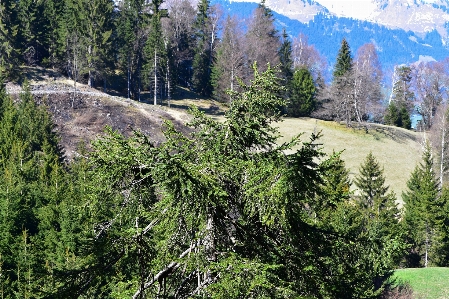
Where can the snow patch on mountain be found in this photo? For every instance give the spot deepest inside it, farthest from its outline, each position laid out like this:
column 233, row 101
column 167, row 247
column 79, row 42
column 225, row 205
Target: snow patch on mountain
column 412, row 15
column 301, row 10
column 419, row 16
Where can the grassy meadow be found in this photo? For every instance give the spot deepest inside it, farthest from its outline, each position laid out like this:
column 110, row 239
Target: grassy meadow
column 396, row 149
column 427, row 283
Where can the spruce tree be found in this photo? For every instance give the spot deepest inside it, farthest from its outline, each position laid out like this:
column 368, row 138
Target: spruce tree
column 441, row 241
column 336, row 182
column 155, row 53
column 342, row 97
column 98, row 33
column 302, row 94
column 421, row 209
column 378, row 205
column 285, row 57
column 131, row 22
column 29, row 160
column 8, row 32
column 344, row 60
column 402, row 99
column 203, row 51
column 371, row 182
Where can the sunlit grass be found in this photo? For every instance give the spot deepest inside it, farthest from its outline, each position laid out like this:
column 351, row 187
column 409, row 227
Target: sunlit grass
column 427, row 283
column 397, row 150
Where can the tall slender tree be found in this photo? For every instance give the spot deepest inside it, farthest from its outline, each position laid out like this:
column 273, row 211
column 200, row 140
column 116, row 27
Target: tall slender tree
column 98, row 38
column 8, row 32
column 131, row 22
column 285, row 58
column 344, row 61
column 155, row 53
column 341, row 89
column 262, row 39
column 205, row 38
column 421, row 208
column 229, row 61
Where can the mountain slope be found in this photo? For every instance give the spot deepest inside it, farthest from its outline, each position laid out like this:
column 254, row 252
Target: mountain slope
column 326, row 30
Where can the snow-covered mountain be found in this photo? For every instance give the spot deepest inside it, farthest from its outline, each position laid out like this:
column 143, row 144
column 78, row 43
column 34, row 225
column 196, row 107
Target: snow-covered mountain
column 404, row 31
column 415, row 15
column 419, row 16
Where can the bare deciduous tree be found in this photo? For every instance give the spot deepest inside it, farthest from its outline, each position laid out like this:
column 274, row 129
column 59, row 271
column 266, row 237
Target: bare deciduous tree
column 307, row 56
column 366, row 78
column 229, row 60
column 439, row 139
column 429, row 83
column 262, row 40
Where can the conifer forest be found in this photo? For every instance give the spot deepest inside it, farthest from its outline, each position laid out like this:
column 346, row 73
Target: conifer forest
column 220, row 211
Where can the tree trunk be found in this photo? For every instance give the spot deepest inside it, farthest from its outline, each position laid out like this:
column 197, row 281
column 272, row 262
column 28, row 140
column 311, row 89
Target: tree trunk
column 90, row 79
column 155, row 77
column 129, row 77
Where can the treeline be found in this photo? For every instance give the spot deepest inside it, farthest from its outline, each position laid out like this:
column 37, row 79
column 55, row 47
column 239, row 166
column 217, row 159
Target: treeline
column 139, row 46
column 148, row 45
column 219, row 213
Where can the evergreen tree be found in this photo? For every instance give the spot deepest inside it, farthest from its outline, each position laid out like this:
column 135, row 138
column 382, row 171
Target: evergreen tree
column 401, row 102
column 98, row 34
column 371, row 183
column 30, row 160
column 225, row 216
column 204, row 49
column 344, row 60
column 285, row 57
column 336, row 182
column 421, row 208
column 302, row 94
column 342, row 96
column 155, row 53
column 130, row 23
column 27, row 34
column 379, row 206
column 8, row 32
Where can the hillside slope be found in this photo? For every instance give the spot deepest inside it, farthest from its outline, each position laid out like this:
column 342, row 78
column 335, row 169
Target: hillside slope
column 397, row 150
column 83, row 118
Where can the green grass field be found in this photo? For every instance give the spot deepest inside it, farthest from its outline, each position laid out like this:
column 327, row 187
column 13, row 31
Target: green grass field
column 397, row 150
column 427, row 283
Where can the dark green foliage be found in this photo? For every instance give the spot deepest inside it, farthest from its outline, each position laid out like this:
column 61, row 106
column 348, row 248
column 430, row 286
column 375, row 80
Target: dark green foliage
column 441, row 241
column 130, row 23
column 397, row 116
column 285, row 58
column 302, row 94
column 155, row 53
column 336, row 184
column 203, row 50
column 371, row 183
column 401, row 104
column 8, row 32
column 421, row 209
column 223, row 211
column 32, row 186
column 344, row 60
column 378, row 206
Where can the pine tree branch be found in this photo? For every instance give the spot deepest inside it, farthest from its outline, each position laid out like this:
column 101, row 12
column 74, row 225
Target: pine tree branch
column 170, row 268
